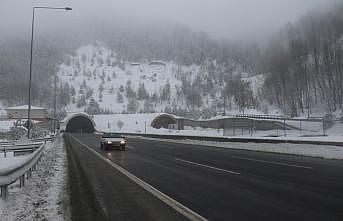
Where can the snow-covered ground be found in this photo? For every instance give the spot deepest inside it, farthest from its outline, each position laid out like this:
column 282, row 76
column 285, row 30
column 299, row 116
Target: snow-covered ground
column 132, row 123
column 43, row 196
column 5, row 125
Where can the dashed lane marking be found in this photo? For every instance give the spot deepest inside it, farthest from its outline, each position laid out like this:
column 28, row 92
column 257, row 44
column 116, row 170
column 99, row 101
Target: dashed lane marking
column 185, row 211
column 207, row 166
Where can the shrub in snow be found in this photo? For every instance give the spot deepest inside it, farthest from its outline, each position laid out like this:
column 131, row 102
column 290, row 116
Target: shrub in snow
column 120, row 124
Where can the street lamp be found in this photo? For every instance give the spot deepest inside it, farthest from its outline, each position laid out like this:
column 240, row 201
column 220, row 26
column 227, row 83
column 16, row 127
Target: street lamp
column 30, row 78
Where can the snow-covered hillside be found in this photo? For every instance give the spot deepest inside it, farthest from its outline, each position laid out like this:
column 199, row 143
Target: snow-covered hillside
column 98, row 69
column 96, row 78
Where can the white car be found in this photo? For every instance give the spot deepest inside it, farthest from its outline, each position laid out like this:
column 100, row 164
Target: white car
column 110, row 140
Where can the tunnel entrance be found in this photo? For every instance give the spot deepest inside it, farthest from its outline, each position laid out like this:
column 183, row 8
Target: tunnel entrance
column 78, row 124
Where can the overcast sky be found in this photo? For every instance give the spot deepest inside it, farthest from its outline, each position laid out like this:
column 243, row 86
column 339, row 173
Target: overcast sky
column 219, row 18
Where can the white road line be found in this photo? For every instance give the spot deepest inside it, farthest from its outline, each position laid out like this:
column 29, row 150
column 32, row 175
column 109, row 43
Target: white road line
column 207, row 166
column 130, row 147
column 185, row 211
column 273, row 162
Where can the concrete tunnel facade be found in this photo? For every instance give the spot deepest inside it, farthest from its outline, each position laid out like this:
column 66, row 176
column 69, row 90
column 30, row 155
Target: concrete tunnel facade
column 78, row 123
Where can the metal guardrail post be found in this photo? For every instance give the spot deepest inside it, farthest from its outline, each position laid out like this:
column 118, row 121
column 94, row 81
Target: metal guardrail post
column 4, row 192
column 284, row 127
column 22, row 181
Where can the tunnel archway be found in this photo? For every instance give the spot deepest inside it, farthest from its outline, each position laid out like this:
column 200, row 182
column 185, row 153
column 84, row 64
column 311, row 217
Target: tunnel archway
column 80, row 123
column 163, row 121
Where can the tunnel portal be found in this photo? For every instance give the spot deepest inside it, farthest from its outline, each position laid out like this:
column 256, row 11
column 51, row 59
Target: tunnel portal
column 80, row 124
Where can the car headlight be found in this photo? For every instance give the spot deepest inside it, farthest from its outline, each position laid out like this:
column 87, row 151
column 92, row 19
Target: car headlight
column 109, row 142
column 122, row 142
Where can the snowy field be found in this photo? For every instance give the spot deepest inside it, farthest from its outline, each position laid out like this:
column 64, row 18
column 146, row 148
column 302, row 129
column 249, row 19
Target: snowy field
column 43, row 195
column 5, row 125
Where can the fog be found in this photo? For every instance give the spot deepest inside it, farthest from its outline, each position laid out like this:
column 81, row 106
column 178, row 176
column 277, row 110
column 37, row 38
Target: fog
column 235, row 19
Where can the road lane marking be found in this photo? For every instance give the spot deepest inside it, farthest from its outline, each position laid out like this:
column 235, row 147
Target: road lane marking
column 273, row 162
column 207, row 166
column 185, row 211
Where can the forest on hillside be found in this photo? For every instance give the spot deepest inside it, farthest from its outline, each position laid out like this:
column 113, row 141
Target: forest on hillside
column 302, row 64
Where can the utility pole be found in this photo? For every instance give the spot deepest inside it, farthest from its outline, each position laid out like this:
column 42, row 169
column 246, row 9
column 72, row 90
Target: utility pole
column 224, row 105
column 55, row 102
column 30, row 78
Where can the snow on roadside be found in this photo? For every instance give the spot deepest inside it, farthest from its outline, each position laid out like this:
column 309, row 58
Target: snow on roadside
column 322, row 151
column 5, row 125
column 43, row 196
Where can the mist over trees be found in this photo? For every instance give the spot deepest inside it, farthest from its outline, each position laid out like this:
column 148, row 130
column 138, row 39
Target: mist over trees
column 305, row 64
column 302, row 67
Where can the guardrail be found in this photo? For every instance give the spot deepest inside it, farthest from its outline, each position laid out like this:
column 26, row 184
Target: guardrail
column 18, row 171
column 19, row 147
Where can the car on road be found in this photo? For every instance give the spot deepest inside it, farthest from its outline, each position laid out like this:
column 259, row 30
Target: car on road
column 110, row 140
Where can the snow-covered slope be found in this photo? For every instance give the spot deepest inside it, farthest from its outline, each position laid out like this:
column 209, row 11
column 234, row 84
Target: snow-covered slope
column 97, row 68
column 96, row 74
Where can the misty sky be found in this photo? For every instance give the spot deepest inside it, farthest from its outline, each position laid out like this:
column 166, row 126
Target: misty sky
column 236, row 19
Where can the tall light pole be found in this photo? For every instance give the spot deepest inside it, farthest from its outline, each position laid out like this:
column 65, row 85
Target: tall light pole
column 55, row 101
column 30, row 78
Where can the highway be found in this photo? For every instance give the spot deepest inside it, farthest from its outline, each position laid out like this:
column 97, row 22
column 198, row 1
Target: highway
column 216, row 183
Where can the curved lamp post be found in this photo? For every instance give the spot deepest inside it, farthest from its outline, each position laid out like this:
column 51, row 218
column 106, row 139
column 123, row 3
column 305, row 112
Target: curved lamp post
column 30, row 78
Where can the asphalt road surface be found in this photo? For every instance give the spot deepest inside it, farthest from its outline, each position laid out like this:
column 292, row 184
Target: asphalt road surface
column 217, row 183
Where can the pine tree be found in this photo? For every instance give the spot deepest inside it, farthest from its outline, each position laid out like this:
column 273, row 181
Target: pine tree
column 148, row 106
column 93, row 107
column 142, row 93
column 132, row 106
column 129, row 92
column 101, row 88
column 120, row 98
column 121, row 89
